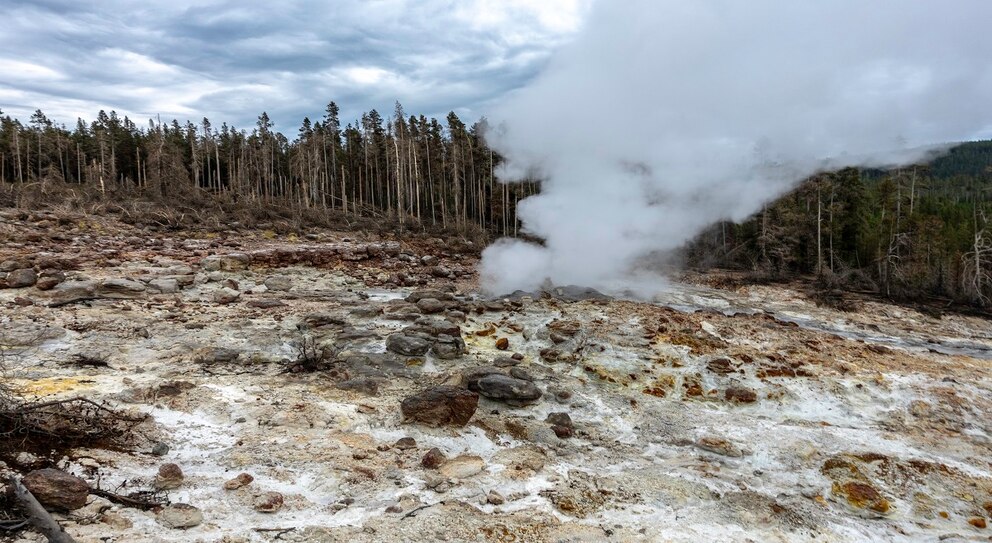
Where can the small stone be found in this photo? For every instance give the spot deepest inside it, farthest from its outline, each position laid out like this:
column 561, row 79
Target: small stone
column 433, row 459
column 160, row 449
column 165, row 286
column 520, row 373
column 56, row 489
column 179, row 516
column 242, row 480
column 502, row 343
column 268, row 502
column 505, row 362
column 562, row 432
column 495, row 498
column 395, row 508
column 169, row 476
column 977, row 522
column 405, row 443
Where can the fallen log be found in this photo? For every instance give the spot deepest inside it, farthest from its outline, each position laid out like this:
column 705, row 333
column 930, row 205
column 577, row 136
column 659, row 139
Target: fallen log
column 37, row 515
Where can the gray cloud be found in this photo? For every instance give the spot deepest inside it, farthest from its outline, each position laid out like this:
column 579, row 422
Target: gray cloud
column 230, row 60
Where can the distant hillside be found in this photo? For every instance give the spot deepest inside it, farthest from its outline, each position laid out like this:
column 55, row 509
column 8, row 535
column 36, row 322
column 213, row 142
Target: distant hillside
column 972, row 159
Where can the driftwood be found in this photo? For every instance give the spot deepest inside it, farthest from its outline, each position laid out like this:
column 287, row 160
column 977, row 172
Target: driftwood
column 38, row 516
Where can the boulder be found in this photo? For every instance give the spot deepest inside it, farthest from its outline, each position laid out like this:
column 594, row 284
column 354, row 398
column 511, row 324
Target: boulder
column 441, row 405
column 225, row 295
column 73, row 291
column 24, row 277
column 407, row 345
column 165, row 286
column 515, row 392
column 279, row 283
column 56, row 489
column 471, row 376
column 430, row 305
column 448, row 347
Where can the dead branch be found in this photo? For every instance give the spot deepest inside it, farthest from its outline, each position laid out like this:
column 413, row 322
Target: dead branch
column 128, row 501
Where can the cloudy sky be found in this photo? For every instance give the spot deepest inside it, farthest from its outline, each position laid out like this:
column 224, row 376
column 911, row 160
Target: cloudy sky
column 231, row 59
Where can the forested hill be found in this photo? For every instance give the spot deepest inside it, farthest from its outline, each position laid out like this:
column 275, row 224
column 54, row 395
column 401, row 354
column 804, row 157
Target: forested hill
column 972, row 159
column 914, row 232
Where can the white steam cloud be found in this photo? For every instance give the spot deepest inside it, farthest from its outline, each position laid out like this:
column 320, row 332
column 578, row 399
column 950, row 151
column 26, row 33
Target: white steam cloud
column 665, row 116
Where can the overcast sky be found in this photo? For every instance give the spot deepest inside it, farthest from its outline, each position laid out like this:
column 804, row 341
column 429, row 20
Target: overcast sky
column 231, row 59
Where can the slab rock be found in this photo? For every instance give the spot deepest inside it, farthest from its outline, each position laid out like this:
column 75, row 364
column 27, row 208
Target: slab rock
column 407, row 345
column 462, row 467
column 440, row 406
column 179, row 516
column 56, row 489
column 516, row 392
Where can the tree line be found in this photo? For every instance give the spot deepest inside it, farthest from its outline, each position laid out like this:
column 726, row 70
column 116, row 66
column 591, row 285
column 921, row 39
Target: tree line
column 411, row 169
column 915, row 232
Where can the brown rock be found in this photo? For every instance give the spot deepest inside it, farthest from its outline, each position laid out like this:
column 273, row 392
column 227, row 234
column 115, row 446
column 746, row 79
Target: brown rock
column 502, row 343
column 741, row 395
column 405, row 443
column 243, row 479
column 439, row 406
column 169, row 476
column 433, row 459
column 179, row 516
column 268, row 502
column 977, row 522
column 56, row 489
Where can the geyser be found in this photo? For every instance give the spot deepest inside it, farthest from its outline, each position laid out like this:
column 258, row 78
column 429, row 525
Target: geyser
column 665, row 116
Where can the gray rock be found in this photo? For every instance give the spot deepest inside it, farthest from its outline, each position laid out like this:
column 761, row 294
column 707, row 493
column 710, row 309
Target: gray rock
column 165, row 286
column 160, row 449
column 225, row 295
column 279, row 283
column 364, row 385
column 407, row 345
column 120, row 288
column 430, row 305
column 471, row 376
column 179, row 516
column 516, row 392
column 228, row 262
column 73, row 291
column 447, row 347
column 21, row 278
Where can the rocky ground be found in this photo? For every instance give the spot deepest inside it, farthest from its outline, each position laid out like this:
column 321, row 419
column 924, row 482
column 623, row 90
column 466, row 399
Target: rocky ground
column 337, row 387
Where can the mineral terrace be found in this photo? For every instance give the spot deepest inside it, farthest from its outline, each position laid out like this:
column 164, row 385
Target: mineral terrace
column 345, row 387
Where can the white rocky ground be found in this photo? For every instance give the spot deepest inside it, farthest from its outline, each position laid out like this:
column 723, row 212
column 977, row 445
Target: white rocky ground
column 728, row 423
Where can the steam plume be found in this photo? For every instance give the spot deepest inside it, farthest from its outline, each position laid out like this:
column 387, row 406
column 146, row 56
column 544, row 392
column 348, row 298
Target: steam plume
column 665, row 116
